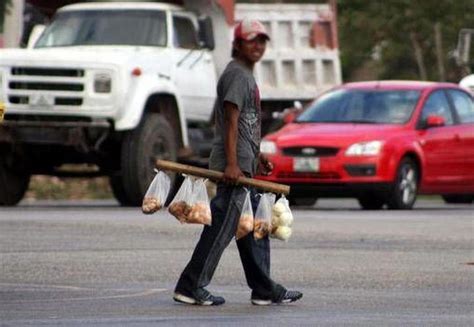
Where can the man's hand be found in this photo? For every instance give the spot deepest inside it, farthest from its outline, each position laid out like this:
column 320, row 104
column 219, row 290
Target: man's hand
column 265, row 167
column 232, row 173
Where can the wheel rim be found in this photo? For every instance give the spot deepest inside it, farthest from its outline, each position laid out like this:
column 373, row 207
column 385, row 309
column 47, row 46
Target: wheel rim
column 408, row 184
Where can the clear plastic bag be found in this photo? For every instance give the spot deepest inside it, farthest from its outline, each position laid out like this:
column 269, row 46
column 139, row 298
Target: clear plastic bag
column 181, row 205
column 263, row 216
column 200, row 211
column 156, row 193
column 282, row 220
column 245, row 225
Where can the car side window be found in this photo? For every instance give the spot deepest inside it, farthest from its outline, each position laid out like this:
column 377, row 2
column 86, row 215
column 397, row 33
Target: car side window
column 185, row 35
column 464, row 106
column 437, row 104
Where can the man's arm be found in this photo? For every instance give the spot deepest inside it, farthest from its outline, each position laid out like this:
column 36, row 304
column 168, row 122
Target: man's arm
column 231, row 122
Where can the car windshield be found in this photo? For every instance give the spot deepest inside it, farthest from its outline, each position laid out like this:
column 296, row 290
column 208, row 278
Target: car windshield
column 362, row 106
column 106, row 27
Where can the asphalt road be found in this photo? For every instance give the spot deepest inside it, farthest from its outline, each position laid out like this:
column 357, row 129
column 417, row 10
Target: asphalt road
column 97, row 264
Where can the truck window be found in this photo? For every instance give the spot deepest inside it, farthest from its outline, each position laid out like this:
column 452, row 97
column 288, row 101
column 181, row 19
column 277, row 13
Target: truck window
column 106, row 27
column 185, row 35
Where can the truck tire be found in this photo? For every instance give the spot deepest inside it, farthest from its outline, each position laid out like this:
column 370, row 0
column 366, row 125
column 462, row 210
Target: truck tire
column 14, row 179
column 405, row 188
column 118, row 190
column 153, row 139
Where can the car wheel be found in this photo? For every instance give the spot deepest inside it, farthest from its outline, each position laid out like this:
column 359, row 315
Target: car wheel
column 405, row 188
column 458, row 198
column 153, row 139
column 302, row 201
column 371, row 202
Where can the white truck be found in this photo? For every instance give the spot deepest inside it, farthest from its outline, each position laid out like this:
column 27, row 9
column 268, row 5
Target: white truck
column 118, row 85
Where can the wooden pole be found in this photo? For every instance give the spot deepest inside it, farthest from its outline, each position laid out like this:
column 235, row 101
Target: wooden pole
column 217, row 175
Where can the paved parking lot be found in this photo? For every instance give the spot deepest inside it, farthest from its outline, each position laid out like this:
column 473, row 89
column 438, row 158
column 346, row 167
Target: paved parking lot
column 94, row 263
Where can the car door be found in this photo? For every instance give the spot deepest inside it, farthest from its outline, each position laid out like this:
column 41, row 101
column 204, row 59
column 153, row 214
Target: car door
column 464, row 109
column 195, row 74
column 441, row 145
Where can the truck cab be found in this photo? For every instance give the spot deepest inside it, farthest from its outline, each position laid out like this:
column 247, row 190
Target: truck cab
column 113, row 86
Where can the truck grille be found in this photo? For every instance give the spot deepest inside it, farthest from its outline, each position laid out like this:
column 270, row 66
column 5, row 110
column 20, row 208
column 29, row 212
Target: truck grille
column 59, row 86
column 31, row 71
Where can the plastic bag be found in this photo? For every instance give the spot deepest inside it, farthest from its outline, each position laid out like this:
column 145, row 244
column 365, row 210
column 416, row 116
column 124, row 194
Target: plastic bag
column 245, row 225
column 282, row 219
column 181, row 205
column 263, row 216
column 200, row 211
column 156, row 193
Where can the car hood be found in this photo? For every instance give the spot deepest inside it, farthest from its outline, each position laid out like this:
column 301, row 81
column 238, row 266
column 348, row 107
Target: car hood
column 332, row 135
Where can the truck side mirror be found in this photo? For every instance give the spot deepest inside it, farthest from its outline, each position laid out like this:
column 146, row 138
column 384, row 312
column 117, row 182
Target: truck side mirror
column 35, row 35
column 206, row 33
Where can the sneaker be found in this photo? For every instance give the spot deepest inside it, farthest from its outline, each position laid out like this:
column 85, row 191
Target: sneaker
column 199, row 297
column 288, row 297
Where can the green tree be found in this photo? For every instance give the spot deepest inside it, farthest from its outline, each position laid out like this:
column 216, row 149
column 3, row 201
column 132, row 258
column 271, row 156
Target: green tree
column 399, row 37
column 4, row 9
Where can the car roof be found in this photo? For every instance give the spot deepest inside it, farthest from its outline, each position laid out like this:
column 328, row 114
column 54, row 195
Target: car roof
column 398, row 85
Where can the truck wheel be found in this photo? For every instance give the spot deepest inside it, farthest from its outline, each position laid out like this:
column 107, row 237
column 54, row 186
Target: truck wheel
column 458, row 198
column 371, row 202
column 405, row 188
column 116, row 184
column 14, row 179
column 152, row 139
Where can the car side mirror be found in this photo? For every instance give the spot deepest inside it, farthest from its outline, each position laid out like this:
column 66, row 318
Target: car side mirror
column 206, row 33
column 434, row 121
column 35, row 35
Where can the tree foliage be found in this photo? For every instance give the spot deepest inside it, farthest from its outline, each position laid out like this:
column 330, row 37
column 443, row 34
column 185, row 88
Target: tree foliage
column 388, row 32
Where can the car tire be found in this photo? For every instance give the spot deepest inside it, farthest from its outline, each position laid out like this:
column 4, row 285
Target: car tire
column 458, row 198
column 371, row 202
column 307, row 202
column 118, row 190
column 405, row 188
column 152, row 139
column 14, row 178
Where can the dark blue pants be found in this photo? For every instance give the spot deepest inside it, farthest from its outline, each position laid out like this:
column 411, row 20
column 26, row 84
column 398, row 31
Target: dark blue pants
column 254, row 254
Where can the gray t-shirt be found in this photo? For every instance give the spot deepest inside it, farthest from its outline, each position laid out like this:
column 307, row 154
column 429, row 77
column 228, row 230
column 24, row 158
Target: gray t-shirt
column 237, row 85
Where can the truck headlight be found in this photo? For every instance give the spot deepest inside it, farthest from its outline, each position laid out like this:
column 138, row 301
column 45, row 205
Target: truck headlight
column 268, row 147
column 102, row 83
column 371, row 148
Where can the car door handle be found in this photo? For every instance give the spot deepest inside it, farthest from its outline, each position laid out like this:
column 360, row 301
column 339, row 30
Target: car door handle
column 457, row 137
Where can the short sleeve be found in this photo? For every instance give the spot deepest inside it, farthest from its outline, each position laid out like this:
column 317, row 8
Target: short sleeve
column 234, row 88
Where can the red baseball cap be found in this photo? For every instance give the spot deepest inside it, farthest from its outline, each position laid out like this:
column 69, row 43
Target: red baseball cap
column 249, row 29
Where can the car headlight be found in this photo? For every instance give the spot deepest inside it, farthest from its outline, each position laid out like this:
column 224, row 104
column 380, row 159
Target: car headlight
column 268, row 147
column 102, row 83
column 371, row 148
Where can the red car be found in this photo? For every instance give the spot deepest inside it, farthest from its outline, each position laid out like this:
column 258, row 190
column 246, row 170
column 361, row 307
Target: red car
column 382, row 142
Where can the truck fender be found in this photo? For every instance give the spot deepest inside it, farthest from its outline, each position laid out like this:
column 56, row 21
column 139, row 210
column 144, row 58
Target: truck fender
column 134, row 106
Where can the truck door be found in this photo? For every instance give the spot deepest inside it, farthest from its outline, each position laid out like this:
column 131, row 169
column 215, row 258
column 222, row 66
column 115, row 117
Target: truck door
column 194, row 69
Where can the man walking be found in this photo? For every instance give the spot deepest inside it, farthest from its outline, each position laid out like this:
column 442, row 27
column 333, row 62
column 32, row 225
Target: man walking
column 236, row 153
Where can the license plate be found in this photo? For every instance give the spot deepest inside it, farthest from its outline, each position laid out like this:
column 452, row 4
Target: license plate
column 42, row 100
column 306, row 164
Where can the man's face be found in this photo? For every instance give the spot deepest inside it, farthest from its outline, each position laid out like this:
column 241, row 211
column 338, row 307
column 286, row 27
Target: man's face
column 254, row 49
